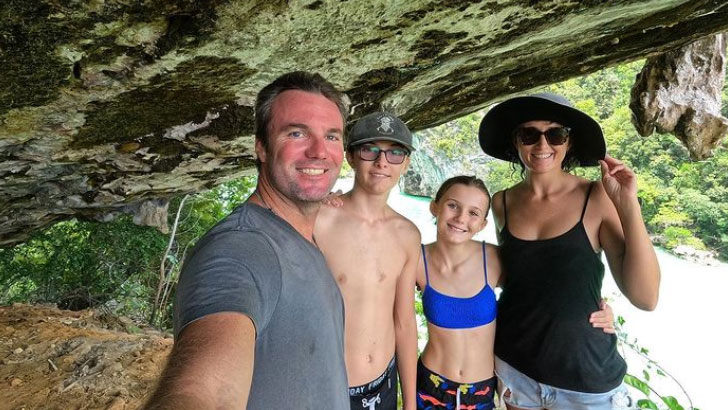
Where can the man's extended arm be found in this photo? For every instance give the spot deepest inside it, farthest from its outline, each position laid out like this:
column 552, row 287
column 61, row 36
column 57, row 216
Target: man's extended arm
column 210, row 367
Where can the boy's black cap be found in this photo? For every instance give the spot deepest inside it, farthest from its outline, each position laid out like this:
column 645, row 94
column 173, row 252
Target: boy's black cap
column 379, row 126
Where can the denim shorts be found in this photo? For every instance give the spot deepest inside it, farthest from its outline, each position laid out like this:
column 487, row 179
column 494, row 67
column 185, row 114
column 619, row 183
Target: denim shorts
column 526, row 393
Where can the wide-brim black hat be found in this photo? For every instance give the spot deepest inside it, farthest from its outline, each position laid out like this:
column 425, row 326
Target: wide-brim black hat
column 495, row 134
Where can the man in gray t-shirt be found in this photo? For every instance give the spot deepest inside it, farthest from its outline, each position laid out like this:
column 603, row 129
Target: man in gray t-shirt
column 258, row 316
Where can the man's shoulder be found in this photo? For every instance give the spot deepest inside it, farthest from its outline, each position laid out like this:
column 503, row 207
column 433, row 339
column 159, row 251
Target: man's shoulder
column 250, row 218
column 247, row 225
column 233, row 243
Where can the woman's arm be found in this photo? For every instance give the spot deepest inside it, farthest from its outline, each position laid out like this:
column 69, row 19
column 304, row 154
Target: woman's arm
column 624, row 238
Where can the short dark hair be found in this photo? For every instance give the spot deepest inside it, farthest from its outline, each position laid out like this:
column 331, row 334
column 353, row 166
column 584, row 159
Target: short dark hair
column 467, row 180
column 296, row 80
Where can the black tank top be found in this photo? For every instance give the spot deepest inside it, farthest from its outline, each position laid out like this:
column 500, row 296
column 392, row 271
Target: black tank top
column 551, row 287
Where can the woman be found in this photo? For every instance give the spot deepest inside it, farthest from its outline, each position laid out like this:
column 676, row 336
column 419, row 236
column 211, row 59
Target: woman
column 552, row 228
column 456, row 367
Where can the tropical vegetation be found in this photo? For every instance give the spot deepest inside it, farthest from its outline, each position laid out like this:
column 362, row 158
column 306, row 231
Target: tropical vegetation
column 132, row 270
column 684, row 202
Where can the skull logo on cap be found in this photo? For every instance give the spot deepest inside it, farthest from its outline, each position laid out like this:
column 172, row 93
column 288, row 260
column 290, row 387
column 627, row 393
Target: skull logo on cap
column 385, row 125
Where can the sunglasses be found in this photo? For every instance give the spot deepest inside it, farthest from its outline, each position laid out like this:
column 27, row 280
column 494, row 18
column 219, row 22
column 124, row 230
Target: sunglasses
column 369, row 152
column 532, row 135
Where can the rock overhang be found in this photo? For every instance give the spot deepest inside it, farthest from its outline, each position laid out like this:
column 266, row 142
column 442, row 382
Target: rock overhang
column 105, row 104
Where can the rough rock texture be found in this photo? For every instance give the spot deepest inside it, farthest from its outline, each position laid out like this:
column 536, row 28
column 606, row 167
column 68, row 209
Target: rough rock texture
column 105, row 104
column 679, row 92
column 431, row 165
column 53, row 359
column 417, row 182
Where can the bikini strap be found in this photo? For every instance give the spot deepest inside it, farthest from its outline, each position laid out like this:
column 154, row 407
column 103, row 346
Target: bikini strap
column 485, row 264
column 424, row 259
column 586, row 201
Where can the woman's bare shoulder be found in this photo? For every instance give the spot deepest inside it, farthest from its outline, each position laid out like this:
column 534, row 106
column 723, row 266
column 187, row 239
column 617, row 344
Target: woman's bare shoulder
column 496, row 206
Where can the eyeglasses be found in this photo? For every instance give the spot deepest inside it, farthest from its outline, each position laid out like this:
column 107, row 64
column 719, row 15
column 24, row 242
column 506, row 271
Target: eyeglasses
column 532, row 135
column 369, row 152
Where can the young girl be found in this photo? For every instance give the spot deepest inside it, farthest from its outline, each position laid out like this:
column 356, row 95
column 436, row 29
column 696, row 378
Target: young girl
column 457, row 276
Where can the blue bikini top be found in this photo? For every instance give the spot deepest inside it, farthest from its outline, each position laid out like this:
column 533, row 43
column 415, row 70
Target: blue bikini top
column 458, row 313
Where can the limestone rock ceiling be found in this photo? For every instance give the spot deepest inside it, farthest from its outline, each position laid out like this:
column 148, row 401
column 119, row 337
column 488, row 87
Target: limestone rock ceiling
column 679, row 91
column 105, row 104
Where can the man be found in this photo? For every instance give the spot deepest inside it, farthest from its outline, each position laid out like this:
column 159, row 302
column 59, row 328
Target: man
column 373, row 252
column 258, row 316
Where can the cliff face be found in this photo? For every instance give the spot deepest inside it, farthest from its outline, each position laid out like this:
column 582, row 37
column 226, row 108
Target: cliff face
column 106, row 105
column 679, row 92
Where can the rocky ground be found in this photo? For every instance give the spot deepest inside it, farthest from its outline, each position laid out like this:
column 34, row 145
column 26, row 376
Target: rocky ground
column 56, row 359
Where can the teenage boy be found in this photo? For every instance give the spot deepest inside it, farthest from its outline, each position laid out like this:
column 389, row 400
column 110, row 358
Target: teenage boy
column 373, row 252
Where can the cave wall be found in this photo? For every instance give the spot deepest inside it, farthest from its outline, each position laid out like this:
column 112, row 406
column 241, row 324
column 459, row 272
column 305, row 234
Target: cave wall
column 679, row 92
column 108, row 104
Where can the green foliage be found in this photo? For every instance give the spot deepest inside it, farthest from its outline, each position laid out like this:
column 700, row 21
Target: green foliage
column 676, row 235
column 672, row 403
column 684, row 202
column 456, row 139
column 601, row 93
column 205, row 209
column 501, row 175
column 199, row 213
column 80, row 264
column 669, row 215
column 651, row 370
column 646, row 404
column 346, row 170
column 724, row 94
column 637, row 384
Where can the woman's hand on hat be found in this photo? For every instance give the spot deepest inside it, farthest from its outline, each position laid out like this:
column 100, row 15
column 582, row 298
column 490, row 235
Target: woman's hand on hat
column 619, row 181
column 333, row 199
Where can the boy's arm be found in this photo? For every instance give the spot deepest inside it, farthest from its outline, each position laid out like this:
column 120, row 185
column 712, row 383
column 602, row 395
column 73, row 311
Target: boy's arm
column 405, row 327
column 210, row 367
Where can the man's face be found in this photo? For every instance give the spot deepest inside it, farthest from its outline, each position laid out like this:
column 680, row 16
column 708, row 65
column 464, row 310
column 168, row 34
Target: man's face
column 378, row 175
column 305, row 146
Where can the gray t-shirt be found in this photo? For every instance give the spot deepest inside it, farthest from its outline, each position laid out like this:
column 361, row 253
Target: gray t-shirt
column 255, row 263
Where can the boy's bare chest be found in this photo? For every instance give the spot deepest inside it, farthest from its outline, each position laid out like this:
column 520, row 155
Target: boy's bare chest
column 366, row 255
